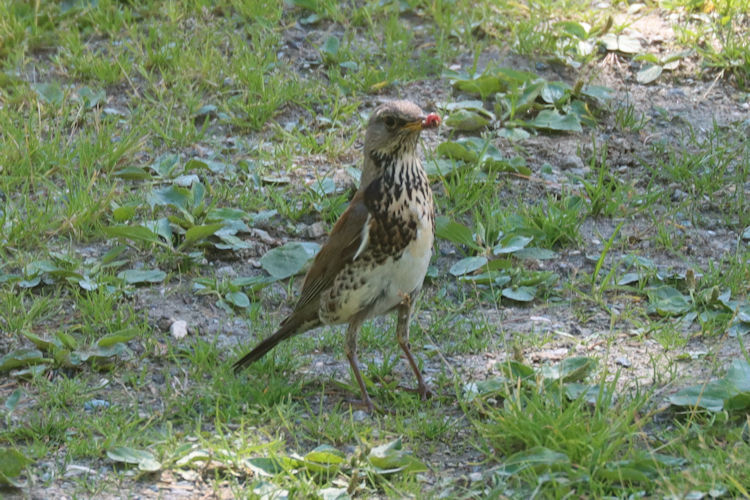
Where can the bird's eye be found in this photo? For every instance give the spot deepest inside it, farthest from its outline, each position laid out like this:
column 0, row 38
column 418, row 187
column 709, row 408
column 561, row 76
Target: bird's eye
column 389, row 121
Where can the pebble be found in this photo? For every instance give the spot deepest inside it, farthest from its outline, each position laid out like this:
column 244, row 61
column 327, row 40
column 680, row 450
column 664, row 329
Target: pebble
column 678, row 195
column 315, row 230
column 263, row 236
column 623, row 361
column 96, row 404
column 178, row 329
column 571, row 162
column 226, row 272
column 360, row 415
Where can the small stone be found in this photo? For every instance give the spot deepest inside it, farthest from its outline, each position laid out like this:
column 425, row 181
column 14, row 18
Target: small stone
column 164, row 323
column 96, row 404
column 475, row 477
column 678, row 195
column 360, row 415
column 74, row 470
column 178, row 329
column 571, row 162
column 316, row 230
column 263, row 236
column 622, row 361
column 226, row 272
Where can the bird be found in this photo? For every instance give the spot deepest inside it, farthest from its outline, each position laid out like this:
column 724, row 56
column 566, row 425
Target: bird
column 376, row 256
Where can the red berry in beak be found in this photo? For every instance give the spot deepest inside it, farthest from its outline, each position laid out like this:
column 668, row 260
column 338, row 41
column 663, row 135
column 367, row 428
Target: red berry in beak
column 431, row 121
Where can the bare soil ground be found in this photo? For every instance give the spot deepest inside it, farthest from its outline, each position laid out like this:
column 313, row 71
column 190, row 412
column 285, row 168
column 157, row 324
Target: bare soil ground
column 674, row 106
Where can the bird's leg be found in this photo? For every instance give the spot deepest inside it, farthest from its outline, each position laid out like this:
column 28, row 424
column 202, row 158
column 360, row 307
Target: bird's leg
column 402, row 333
column 350, row 348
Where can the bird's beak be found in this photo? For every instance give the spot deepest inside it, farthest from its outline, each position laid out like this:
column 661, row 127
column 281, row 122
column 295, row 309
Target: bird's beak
column 414, row 126
column 430, row 121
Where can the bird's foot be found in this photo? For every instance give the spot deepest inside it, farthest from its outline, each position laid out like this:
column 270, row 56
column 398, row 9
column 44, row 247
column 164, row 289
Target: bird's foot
column 405, row 298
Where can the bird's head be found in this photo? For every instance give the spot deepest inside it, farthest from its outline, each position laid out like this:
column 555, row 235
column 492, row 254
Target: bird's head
column 394, row 128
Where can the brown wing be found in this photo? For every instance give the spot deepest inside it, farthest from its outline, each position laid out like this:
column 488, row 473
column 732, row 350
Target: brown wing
column 342, row 245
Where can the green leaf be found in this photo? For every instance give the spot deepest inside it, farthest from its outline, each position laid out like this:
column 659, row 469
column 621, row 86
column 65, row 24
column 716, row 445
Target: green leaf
column 573, row 28
column 51, row 93
column 177, row 197
column 238, row 299
column 467, row 265
column 324, row 458
column 528, row 97
column 622, row 43
column 132, row 174
column 739, row 375
column 285, row 261
column 710, row 396
column 20, row 358
column 550, row 119
column 43, row 344
column 121, row 214
column 581, row 110
column 514, row 369
column 137, row 276
column 224, row 213
column 119, row 336
column 197, row 233
column 590, row 393
column 91, row 98
column 535, row 253
column 598, row 94
column 520, row 293
column 67, row 340
column 326, row 454
column 270, row 466
column 537, row 458
column 466, row 120
column 572, row 369
column 490, row 387
column 143, row 459
column 135, row 233
column 97, row 353
column 112, row 254
column 442, row 167
column 330, row 49
column 230, row 242
column 513, row 134
column 555, row 92
column 667, row 301
column 512, row 78
column 165, row 165
column 160, row 227
column 455, row 232
column 12, row 463
column 465, row 149
column 511, row 244
column 390, row 457
column 13, row 399
column 648, row 74
column 484, row 85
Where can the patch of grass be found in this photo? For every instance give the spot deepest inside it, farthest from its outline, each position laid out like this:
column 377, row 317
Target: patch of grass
column 171, row 122
column 555, row 223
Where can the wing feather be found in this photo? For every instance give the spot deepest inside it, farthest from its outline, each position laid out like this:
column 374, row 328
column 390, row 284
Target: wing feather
column 345, row 243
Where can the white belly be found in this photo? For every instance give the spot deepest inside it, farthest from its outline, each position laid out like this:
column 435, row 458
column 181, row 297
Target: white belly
column 386, row 285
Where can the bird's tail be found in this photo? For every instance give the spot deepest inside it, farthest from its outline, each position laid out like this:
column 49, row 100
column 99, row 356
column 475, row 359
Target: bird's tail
column 288, row 329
